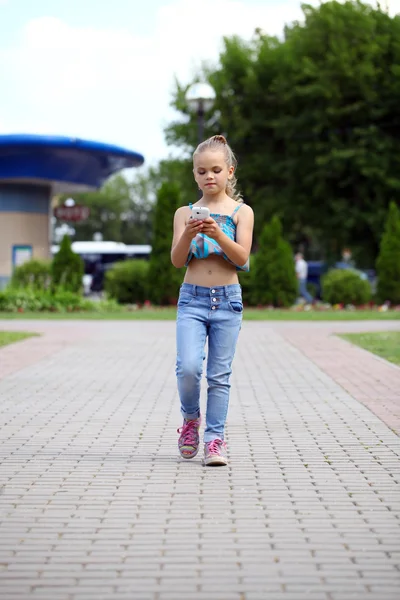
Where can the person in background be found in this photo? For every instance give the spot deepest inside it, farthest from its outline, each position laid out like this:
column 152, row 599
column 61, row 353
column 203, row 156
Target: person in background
column 347, row 258
column 302, row 272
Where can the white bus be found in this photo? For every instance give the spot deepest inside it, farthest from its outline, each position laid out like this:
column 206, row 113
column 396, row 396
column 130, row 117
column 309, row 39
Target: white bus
column 100, row 256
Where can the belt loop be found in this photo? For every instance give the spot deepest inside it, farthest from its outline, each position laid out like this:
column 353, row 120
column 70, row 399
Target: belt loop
column 195, row 290
column 226, row 291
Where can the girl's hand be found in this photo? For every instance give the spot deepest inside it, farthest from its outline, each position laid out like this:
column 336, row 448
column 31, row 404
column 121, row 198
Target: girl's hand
column 211, row 228
column 193, row 227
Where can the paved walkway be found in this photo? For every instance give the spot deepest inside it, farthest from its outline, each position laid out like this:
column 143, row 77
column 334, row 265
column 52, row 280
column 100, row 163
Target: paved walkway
column 96, row 505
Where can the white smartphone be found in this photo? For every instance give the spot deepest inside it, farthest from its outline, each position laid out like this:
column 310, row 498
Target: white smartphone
column 199, row 213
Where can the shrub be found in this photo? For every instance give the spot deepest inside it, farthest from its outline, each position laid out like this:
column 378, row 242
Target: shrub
column 65, row 300
column 246, row 280
column 165, row 279
column 108, row 305
column 35, row 274
column 19, row 299
column 67, row 268
column 312, row 289
column 127, row 282
column 345, row 286
column 388, row 261
column 274, row 276
column 30, row 300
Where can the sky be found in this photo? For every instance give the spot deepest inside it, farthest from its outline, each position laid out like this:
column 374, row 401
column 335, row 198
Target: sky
column 105, row 69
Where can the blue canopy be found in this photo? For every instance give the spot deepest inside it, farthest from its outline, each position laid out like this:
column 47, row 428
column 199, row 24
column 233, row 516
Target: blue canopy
column 68, row 164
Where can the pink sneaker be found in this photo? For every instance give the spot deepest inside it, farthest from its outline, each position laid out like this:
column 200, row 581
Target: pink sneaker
column 215, row 454
column 189, row 439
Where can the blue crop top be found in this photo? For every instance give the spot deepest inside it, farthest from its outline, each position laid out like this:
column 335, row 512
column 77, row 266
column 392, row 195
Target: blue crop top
column 203, row 246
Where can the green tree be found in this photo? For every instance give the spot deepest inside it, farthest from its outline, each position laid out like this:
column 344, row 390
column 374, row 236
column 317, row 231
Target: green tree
column 388, row 262
column 67, row 268
column 274, row 279
column 164, row 278
column 178, row 170
column 120, row 210
column 314, row 119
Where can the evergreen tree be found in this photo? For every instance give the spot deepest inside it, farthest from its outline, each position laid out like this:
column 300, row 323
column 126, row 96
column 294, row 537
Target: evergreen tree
column 67, row 268
column 274, row 281
column 388, row 262
column 313, row 117
column 164, row 278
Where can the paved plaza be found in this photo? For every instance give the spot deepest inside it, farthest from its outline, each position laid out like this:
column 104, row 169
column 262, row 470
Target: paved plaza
column 96, row 504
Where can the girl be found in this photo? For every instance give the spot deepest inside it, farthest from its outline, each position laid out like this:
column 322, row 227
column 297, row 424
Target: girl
column 210, row 299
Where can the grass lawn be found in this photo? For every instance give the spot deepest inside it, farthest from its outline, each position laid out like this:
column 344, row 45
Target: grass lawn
column 250, row 314
column 8, row 337
column 385, row 344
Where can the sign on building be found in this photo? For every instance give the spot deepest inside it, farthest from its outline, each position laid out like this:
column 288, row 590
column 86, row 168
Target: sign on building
column 72, row 213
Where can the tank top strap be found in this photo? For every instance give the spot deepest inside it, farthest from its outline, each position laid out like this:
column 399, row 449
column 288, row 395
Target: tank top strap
column 236, row 209
column 190, row 205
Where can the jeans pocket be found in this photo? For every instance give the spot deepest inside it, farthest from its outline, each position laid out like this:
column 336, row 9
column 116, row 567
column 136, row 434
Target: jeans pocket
column 236, row 304
column 184, row 299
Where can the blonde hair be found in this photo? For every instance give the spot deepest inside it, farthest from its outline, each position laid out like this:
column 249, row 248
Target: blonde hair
column 218, row 142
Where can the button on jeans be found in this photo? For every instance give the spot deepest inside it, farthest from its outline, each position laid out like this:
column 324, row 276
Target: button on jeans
column 215, row 313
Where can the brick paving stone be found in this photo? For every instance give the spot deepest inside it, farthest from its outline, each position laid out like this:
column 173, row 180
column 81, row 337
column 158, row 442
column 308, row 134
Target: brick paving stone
column 100, row 595
column 357, row 596
column 284, row 595
column 95, row 503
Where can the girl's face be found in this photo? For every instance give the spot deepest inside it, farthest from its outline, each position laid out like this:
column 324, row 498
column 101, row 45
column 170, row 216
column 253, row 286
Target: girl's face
column 211, row 171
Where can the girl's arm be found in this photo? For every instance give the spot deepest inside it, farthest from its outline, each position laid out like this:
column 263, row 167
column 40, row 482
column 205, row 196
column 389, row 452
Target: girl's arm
column 238, row 252
column 183, row 235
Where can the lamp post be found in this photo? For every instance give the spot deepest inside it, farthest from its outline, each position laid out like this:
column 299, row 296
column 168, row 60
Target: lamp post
column 200, row 98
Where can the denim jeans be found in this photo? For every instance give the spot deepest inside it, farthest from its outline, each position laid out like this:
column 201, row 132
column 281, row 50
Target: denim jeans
column 217, row 313
column 303, row 291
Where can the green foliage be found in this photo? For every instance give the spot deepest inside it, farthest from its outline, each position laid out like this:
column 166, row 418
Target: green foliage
column 9, row 337
column 127, row 282
column 164, row 278
column 385, row 344
column 388, row 262
column 345, row 286
column 67, row 268
column 246, row 280
column 312, row 289
column 314, row 120
column 34, row 274
column 30, row 300
column 180, row 171
column 120, row 211
column 21, row 300
column 274, row 276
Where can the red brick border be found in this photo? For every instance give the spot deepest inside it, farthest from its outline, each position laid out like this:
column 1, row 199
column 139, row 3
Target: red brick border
column 369, row 379
column 24, row 353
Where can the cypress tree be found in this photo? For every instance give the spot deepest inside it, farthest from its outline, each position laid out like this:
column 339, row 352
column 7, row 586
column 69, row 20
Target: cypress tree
column 274, row 281
column 164, row 278
column 67, row 268
column 388, row 261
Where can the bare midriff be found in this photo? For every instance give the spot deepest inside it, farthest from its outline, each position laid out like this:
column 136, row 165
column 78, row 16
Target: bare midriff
column 211, row 272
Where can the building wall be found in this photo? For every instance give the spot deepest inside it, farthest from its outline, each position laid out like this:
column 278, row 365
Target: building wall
column 24, row 220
